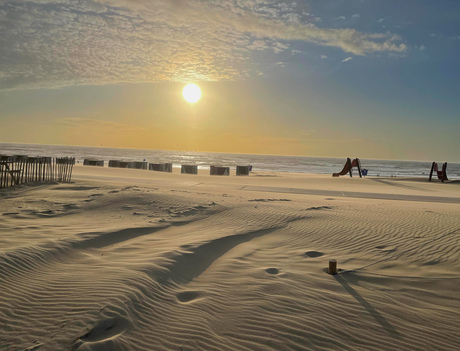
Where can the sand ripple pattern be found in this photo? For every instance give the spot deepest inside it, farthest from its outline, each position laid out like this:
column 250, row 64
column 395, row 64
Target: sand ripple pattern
column 113, row 268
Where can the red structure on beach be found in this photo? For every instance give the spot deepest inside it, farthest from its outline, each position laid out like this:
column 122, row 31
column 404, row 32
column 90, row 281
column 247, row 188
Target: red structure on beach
column 442, row 174
column 348, row 168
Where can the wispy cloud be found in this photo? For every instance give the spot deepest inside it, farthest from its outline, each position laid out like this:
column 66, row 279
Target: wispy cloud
column 347, row 59
column 97, row 125
column 51, row 43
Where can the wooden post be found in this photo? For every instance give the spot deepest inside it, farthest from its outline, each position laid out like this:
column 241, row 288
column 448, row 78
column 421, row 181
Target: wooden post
column 72, row 162
column 332, row 267
column 349, row 167
column 1, row 174
column 359, row 167
column 444, row 172
column 431, row 172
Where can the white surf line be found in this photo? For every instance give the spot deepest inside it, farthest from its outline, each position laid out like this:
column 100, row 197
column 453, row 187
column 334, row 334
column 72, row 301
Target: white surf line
column 355, row 194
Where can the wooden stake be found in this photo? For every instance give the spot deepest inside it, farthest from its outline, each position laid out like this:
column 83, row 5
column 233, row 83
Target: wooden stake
column 332, row 267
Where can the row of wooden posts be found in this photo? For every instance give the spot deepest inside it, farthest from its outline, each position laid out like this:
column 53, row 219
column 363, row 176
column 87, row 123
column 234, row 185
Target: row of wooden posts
column 19, row 169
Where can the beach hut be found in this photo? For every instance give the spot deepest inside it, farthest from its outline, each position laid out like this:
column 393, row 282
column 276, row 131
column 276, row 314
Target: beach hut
column 161, row 167
column 217, row 170
column 189, row 169
column 92, row 162
column 242, row 170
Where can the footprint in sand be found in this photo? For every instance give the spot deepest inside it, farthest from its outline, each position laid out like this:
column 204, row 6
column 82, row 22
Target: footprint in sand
column 272, row 270
column 319, row 208
column 385, row 248
column 71, row 206
column 106, row 329
column 313, row 254
column 47, row 213
column 187, row 296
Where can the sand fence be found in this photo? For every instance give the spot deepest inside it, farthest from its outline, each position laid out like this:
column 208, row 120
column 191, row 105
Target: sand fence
column 168, row 167
column 93, row 162
column 217, row 170
column 128, row 164
column 20, row 169
column 161, row 167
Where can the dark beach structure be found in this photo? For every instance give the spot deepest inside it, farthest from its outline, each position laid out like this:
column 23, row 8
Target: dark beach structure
column 91, row 162
column 243, row 170
column 160, row 167
column 217, row 170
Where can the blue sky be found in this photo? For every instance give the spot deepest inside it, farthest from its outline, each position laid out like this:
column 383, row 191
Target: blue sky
column 358, row 78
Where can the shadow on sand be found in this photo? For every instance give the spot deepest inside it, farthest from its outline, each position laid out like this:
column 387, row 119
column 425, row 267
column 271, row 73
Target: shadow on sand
column 368, row 307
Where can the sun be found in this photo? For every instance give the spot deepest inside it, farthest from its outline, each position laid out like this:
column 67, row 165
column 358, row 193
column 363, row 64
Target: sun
column 191, row 93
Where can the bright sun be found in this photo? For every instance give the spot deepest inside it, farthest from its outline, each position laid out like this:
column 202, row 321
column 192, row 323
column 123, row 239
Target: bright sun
column 191, row 93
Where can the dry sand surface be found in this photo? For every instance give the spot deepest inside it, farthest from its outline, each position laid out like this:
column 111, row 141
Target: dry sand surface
column 137, row 260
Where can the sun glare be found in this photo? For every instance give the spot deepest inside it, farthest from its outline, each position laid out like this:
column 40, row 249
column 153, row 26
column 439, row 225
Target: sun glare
column 191, row 93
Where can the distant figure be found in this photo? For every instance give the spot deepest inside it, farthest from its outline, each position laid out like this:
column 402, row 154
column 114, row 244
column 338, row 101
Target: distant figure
column 250, row 168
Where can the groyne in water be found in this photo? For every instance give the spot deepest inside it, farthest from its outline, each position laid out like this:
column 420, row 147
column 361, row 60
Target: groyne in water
column 20, row 169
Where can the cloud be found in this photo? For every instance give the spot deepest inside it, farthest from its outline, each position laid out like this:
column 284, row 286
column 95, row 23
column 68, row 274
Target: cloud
column 279, row 47
column 323, row 57
column 422, row 47
column 97, row 125
column 259, row 45
column 54, row 43
column 356, row 15
column 347, row 59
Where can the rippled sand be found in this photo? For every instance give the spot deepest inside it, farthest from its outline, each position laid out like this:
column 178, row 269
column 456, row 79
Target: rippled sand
column 139, row 260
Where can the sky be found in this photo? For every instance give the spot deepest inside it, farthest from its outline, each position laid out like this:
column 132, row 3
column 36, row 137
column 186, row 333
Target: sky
column 376, row 79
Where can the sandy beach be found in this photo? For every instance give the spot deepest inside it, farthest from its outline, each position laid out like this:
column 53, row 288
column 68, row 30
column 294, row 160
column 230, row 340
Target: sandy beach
column 123, row 259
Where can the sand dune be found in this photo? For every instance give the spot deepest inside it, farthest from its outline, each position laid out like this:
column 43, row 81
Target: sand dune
column 138, row 260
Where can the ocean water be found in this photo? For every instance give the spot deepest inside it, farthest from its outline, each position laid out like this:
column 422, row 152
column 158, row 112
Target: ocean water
column 295, row 164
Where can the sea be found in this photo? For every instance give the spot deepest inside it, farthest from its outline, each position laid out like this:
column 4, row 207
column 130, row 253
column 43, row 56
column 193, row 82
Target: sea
column 271, row 163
